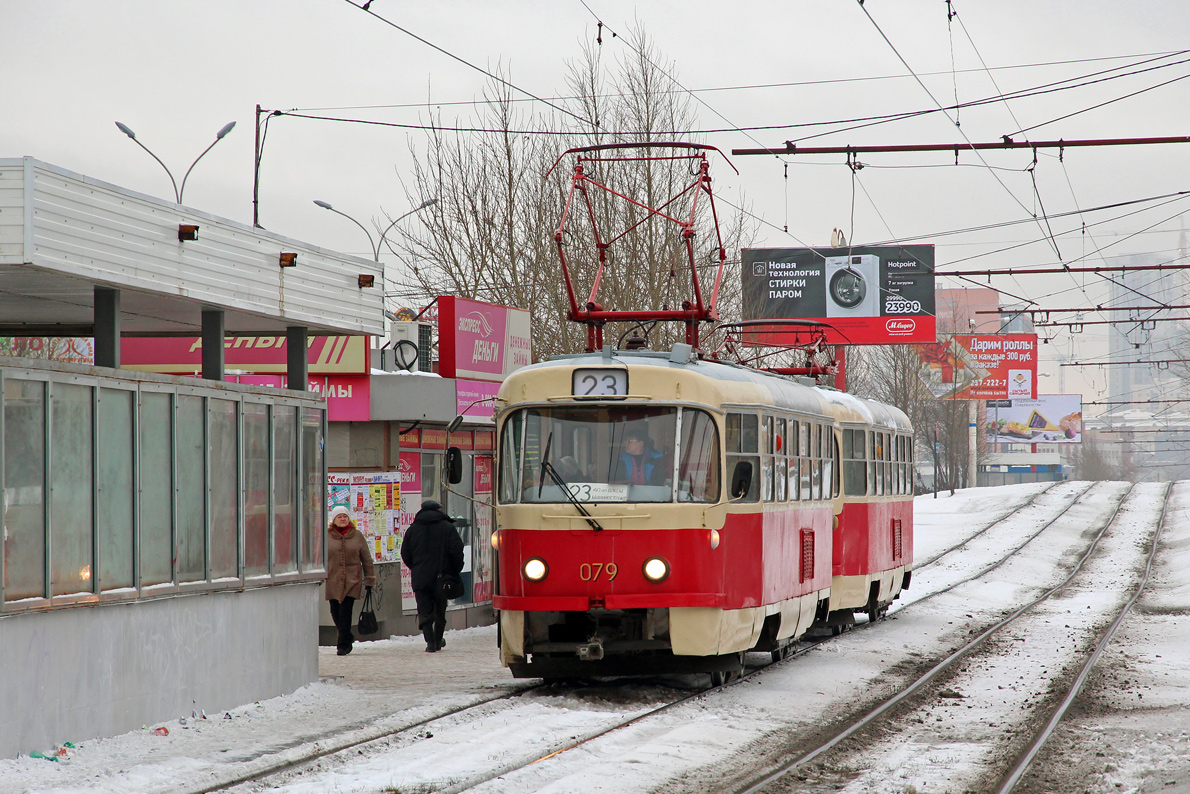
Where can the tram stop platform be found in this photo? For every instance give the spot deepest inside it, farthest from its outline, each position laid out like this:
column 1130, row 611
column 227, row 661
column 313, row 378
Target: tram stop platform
column 380, row 687
column 399, row 671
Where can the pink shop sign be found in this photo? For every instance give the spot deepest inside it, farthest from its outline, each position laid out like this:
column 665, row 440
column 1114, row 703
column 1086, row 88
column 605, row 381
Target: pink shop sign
column 481, row 340
column 348, row 397
column 475, row 399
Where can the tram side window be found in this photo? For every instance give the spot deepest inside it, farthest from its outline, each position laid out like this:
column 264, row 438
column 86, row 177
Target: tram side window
column 791, row 448
column 815, row 461
column 510, row 457
column 854, row 467
column 900, row 464
column 871, row 461
column 742, row 437
column 830, row 482
column 907, row 463
column 767, row 463
column 779, row 460
column 877, row 457
column 888, row 464
column 803, row 452
column 698, row 461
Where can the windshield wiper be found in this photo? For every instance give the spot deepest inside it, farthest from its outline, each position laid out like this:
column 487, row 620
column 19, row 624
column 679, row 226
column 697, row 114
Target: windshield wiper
column 547, row 469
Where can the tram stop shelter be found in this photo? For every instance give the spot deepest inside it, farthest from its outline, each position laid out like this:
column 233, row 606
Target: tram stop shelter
column 162, row 535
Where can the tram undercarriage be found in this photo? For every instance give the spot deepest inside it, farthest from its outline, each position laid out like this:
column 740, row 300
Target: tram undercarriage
column 614, row 642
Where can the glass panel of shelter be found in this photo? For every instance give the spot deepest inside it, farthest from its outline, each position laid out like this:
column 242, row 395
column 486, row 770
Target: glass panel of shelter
column 132, row 468
column 156, row 511
column 115, row 528
column 24, row 540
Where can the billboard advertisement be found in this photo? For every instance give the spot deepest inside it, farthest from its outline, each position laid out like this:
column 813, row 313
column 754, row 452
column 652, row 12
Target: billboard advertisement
column 865, row 295
column 481, row 341
column 981, row 366
column 1050, row 419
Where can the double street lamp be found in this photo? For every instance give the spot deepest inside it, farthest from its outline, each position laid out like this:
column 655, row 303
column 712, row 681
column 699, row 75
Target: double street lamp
column 376, row 244
column 178, row 191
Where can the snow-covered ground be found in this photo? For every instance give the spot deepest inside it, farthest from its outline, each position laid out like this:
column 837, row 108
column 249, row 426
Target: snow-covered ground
column 1131, row 731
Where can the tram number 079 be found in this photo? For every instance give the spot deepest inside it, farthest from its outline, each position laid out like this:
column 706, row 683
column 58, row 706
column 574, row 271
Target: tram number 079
column 591, row 571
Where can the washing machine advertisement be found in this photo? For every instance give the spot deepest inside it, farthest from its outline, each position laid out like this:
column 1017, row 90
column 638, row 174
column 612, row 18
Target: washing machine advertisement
column 862, row 295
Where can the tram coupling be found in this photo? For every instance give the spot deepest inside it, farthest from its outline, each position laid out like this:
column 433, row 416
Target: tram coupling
column 592, row 651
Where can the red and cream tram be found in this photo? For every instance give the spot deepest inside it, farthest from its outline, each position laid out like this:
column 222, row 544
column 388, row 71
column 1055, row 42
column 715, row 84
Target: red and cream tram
column 663, row 512
column 658, row 512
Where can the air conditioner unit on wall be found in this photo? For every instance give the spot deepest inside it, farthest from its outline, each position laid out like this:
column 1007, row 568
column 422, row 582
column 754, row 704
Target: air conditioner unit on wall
column 418, row 334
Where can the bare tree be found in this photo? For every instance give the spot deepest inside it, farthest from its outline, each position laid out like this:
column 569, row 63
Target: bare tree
column 889, row 373
column 491, row 234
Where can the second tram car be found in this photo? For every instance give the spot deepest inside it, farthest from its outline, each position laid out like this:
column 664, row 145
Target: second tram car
column 662, row 513
column 873, row 538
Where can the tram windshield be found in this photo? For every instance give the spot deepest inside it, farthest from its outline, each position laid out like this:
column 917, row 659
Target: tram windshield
column 609, row 454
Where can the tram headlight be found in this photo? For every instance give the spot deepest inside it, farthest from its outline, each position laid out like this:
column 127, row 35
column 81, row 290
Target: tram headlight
column 656, row 569
column 714, row 539
column 496, row 540
column 535, row 569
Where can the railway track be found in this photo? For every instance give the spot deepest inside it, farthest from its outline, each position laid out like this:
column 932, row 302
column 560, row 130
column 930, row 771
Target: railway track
column 413, row 746
column 902, row 732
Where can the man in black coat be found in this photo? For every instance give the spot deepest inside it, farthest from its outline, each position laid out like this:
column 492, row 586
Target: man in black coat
column 431, row 547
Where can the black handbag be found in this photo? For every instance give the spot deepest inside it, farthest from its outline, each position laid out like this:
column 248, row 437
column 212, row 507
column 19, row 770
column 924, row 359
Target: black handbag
column 367, row 618
column 449, row 585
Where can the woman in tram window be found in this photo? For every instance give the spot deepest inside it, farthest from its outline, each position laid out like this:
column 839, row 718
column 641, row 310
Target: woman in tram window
column 348, row 570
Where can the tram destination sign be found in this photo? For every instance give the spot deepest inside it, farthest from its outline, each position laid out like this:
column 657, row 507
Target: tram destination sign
column 864, row 295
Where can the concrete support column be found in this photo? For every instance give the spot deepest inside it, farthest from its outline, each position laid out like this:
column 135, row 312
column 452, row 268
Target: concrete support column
column 297, row 357
column 107, row 327
column 212, row 344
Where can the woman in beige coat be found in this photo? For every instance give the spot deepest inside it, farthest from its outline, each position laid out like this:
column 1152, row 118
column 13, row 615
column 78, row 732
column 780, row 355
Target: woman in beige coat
column 348, row 569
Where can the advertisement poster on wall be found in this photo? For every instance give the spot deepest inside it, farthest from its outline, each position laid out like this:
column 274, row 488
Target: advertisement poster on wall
column 981, row 367
column 409, row 469
column 863, row 295
column 374, row 499
column 1050, row 419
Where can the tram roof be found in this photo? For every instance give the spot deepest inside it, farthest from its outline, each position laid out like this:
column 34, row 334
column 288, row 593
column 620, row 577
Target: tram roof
column 785, row 391
column 868, row 411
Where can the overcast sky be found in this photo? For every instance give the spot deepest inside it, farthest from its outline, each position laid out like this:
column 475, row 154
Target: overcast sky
column 175, row 73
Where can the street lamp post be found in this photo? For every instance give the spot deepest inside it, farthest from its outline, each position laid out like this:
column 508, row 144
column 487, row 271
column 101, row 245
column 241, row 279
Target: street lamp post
column 178, row 190
column 377, row 243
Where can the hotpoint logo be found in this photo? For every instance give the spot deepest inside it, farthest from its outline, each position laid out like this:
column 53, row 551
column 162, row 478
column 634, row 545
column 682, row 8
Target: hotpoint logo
column 475, row 323
column 898, row 326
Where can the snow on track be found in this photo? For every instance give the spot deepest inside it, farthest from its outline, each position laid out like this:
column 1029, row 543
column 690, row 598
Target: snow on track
column 720, row 739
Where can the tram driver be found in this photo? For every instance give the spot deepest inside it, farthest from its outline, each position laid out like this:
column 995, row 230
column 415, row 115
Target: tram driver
column 639, row 462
